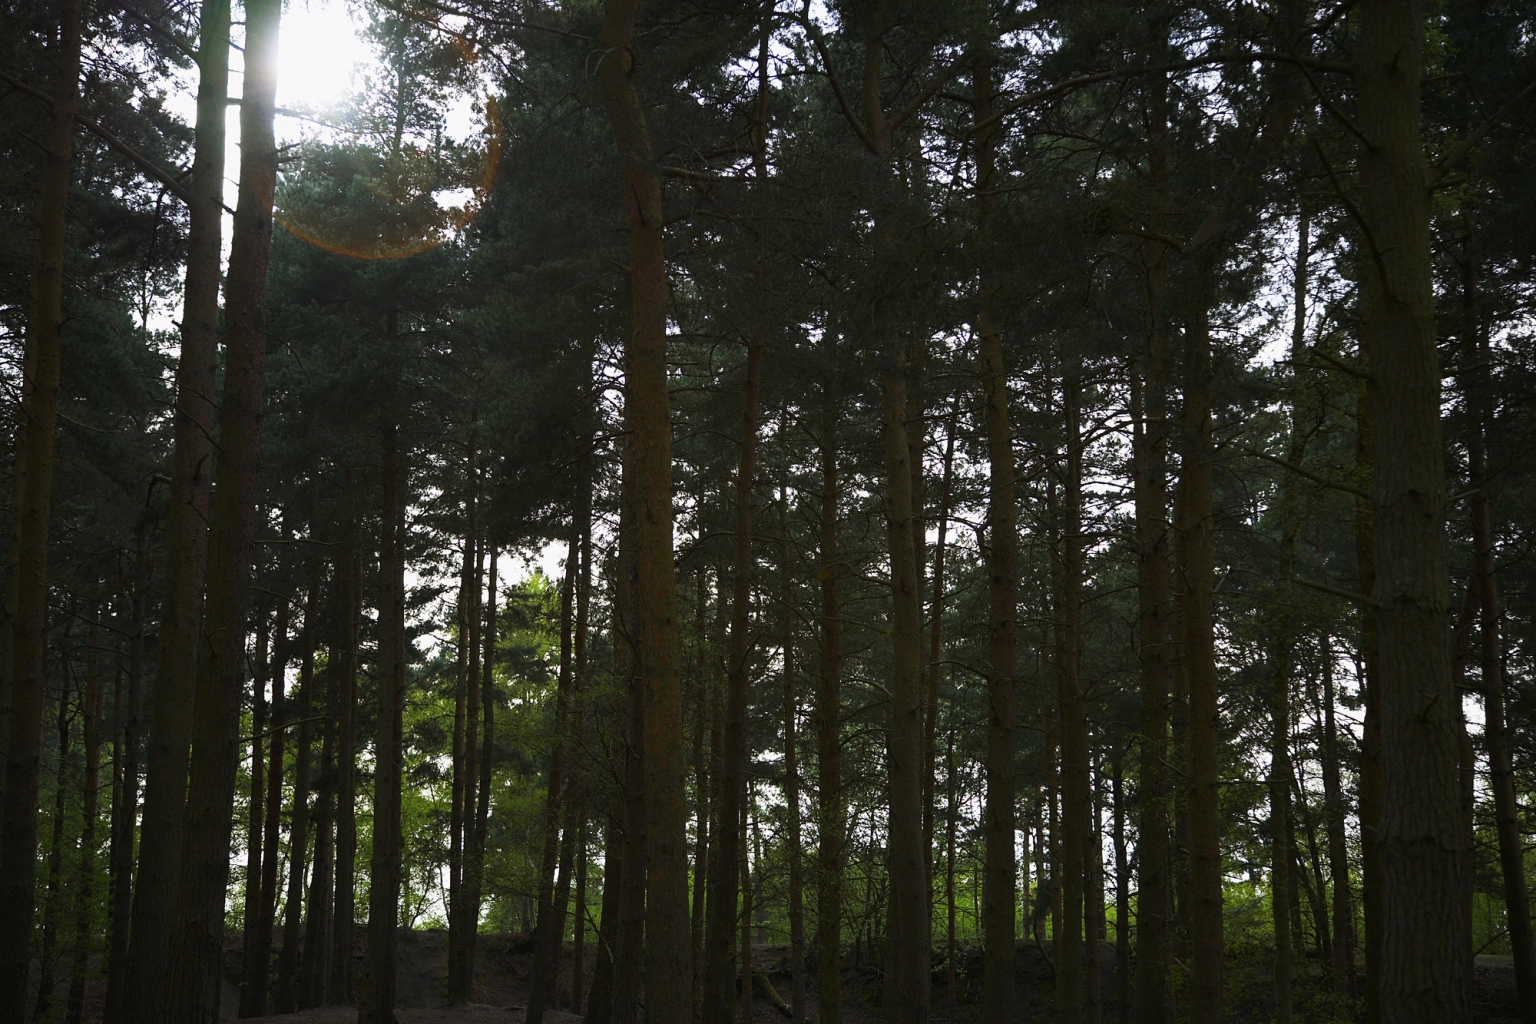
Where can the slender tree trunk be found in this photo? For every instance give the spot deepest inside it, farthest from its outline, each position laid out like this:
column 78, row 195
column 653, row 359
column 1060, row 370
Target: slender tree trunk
column 127, row 764
column 950, row 823
column 486, row 764
column 1424, row 974
column 718, row 984
column 376, row 993
column 90, row 715
column 630, row 905
column 1338, row 852
column 745, row 866
column 1198, row 532
column 256, row 824
column 349, row 572
column 258, row 950
column 547, row 940
column 701, row 784
column 1371, row 765
column 165, row 784
column 600, row 1000
column 579, row 925
column 1077, row 800
column 466, row 908
column 1001, row 555
column 666, row 835
column 40, row 405
column 793, row 850
column 52, row 904
column 574, row 802
column 458, row 988
column 1506, row 812
column 206, row 819
column 935, row 651
column 828, row 712
column 285, row 997
column 314, row 970
column 1122, row 900
column 1093, row 882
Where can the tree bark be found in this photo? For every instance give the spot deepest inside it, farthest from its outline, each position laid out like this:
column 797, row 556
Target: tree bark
column 630, row 905
column 40, row 405
column 547, row 940
column 256, row 823
column 1001, row 555
column 286, row 996
column 702, row 777
column 126, row 763
column 1506, row 812
column 1424, row 974
column 258, row 951
column 314, row 969
column 667, row 964
column 828, row 711
column 458, row 984
column 486, row 764
column 90, row 714
column 52, row 903
column 181, row 608
column 349, row 581
column 376, row 994
column 193, row 990
column 1077, row 800
column 719, row 984
column 1198, row 531
column 793, row 850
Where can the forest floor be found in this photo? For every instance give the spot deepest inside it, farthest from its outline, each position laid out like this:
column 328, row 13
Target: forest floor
column 501, row 988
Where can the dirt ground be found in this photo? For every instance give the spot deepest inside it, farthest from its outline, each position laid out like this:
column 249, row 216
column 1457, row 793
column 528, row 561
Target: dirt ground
column 501, row 987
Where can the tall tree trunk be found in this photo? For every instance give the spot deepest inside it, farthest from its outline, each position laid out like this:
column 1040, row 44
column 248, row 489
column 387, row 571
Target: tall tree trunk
column 936, row 650
column 718, row 983
column 314, row 970
column 547, row 939
column 40, row 405
column 701, row 783
column 176, row 666
column 1122, row 899
column 1198, row 532
column 1506, row 806
column 52, row 904
column 1077, row 800
column 90, row 715
column 666, row 836
column 1001, row 555
column 1424, row 975
column 579, row 925
column 486, row 764
column 285, row 996
column 630, row 906
column 256, row 823
column 466, row 907
column 126, row 762
column 376, row 993
column 458, row 987
column 349, row 585
column 1369, row 663
column 793, row 848
column 747, row 907
column 600, row 999
column 574, row 809
column 829, row 754
column 950, row 824
column 193, row 991
column 258, row 950
column 1338, row 852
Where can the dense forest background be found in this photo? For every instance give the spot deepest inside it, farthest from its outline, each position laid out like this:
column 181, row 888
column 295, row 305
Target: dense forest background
column 998, row 509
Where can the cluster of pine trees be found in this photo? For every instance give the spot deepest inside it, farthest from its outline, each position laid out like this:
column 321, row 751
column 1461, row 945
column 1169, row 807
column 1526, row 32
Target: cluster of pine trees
column 1039, row 485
